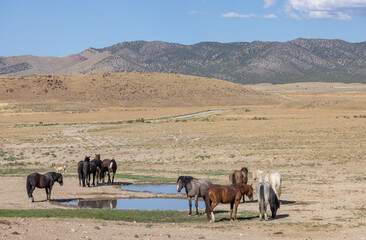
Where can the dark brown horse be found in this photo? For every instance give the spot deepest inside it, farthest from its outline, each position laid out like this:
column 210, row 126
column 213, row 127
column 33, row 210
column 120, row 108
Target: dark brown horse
column 84, row 171
column 239, row 176
column 98, row 163
column 226, row 194
column 42, row 181
column 109, row 166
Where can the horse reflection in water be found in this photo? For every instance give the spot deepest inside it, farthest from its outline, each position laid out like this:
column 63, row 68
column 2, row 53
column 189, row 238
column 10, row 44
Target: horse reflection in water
column 103, row 204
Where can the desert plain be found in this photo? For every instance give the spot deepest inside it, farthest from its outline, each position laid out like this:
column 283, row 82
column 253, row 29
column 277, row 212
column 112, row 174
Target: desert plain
column 313, row 134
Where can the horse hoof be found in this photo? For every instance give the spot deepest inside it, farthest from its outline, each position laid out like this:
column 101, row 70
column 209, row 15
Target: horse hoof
column 31, row 199
column 196, row 215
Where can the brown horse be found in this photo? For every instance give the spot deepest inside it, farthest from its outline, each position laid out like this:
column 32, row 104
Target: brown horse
column 109, row 166
column 226, row 194
column 239, row 176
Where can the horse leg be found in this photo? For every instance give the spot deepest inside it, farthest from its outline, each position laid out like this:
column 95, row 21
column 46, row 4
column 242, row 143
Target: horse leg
column 190, row 206
column 231, row 211
column 196, row 204
column 236, row 209
column 109, row 176
column 88, row 179
column 214, row 204
column 47, row 193
column 113, row 177
column 265, row 212
column 94, row 179
column 30, row 194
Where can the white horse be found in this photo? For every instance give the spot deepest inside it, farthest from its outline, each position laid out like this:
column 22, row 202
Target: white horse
column 275, row 180
column 257, row 175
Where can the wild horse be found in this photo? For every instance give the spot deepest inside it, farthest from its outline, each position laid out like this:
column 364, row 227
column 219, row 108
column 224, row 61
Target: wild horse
column 266, row 195
column 84, row 171
column 109, row 166
column 98, row 163
column 42, row 181
column 194, row 188
column 239, row 176
column 226, row 194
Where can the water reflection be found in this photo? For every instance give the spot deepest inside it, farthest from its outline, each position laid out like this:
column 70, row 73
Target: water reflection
column 137, row 204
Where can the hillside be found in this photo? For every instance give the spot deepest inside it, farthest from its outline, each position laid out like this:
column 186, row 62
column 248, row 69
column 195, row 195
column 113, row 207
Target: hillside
column 131, row 89
column 300, row 60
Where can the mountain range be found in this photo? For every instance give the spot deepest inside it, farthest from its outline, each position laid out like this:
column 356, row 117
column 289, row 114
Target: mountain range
column 299, row 60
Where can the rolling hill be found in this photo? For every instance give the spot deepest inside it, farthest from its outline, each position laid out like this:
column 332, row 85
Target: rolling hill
column 300, row 60
column 131, row 90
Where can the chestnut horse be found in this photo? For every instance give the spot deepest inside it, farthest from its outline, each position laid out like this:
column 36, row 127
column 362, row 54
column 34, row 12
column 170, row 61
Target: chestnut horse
column 226, row 194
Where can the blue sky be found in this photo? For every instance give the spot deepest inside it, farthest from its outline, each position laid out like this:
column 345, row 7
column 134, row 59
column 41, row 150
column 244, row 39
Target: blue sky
column 60, row 28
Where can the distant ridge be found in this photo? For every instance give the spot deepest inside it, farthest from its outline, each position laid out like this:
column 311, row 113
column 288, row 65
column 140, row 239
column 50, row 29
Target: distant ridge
column 300, row 60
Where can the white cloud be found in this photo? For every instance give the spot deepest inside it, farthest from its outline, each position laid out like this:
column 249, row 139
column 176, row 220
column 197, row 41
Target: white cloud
column 327, row 9
column 237, row 15
column 270, row 16
column 193, row 12
column 269, row 3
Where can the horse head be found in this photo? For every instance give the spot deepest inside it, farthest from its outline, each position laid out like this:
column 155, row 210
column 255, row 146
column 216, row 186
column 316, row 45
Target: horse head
column 97, row 156
column 181, row 183
column 244, row 169
column 87, row 159
column 247, row 190
column 60, row 179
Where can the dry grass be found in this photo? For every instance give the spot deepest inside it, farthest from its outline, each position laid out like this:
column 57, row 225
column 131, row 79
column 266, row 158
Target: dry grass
column 313, row 139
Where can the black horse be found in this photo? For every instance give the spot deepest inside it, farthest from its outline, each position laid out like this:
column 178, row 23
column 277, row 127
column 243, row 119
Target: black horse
column 42, row 181
column 93, row 170
column 84, row 171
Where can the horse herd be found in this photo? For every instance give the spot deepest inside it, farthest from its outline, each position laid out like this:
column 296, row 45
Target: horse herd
column 268, row 191
column 85, row 169
column 98, row 168
column 268, row 188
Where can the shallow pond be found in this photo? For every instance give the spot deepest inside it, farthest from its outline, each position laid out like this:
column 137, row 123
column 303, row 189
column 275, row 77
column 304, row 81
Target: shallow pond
column 137, row 204
column 153, row 188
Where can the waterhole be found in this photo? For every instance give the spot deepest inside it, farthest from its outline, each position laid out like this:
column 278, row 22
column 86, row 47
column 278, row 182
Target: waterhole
column 153, row 188
column 136, row 204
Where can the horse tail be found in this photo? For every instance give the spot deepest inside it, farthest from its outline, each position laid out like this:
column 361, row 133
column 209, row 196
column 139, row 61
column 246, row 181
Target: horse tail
column 233, row 178
column 261, row 196
column 29, row 187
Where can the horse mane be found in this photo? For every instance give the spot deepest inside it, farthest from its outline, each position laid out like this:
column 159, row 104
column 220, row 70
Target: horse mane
column 185, row 179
